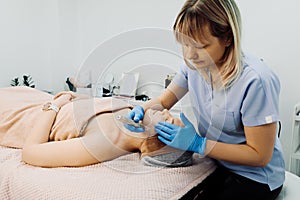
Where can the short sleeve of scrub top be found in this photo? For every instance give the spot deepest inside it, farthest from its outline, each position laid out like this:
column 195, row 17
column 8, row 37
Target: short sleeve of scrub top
column 260, row 105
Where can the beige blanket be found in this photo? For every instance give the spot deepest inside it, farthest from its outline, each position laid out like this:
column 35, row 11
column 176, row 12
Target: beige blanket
column 20, row 107
column 122, row 178
column 18, row 104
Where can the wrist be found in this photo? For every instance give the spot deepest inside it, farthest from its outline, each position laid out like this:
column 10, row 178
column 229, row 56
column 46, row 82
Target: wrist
column 50, row 106
column 202, row 146
column 62, row 100
column 199, row 145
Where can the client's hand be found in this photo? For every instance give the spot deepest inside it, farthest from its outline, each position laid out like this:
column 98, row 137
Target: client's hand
column 184, row 138
column 74, row 96
column 136, row 114
column 62, row 99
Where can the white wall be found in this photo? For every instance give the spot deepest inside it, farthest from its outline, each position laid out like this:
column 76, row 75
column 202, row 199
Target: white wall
column 103, row 22
column 38, row 37
column 271, row 30
column 51, row 39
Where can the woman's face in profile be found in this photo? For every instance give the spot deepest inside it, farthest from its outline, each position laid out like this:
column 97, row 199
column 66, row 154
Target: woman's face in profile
column 152, row 117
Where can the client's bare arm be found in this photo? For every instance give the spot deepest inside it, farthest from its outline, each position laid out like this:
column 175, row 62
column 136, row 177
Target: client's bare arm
column 39, row 152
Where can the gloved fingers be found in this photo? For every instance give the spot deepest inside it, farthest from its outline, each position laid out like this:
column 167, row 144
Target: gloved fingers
column 138, row 117
column 164, row 128
column 131, row 114
column 136, row 114
column 163, row 134
column 185, row 120
column 168, row 125
column 134, row 129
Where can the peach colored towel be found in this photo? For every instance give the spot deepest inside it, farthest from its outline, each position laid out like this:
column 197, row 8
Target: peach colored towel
column 19, row 107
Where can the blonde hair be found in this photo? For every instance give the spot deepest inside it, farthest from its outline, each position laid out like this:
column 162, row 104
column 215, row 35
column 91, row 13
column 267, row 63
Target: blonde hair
column 224, row 22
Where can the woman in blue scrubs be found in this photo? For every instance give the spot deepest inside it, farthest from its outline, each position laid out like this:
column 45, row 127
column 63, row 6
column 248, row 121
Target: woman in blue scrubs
column 235, row 100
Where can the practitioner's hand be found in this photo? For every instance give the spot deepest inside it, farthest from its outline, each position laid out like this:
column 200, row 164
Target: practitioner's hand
column 134, row 129
column 136, row 114
column 184, row 138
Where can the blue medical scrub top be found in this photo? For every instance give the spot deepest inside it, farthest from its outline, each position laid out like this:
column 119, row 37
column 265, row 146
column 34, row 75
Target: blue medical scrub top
column 222, row 114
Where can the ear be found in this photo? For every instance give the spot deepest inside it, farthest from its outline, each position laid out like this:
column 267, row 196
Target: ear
column 227, row 41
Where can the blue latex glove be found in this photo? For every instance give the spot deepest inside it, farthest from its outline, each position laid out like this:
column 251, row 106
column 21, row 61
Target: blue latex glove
column 133, row 128
column 184, row 138
column 136, row 114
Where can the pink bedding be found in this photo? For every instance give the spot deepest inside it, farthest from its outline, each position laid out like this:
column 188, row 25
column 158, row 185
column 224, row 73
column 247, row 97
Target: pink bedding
column 122, row 178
